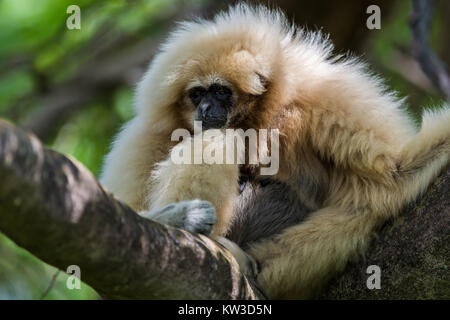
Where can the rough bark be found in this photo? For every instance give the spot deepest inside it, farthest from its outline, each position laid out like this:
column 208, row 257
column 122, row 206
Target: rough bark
column 54, row 208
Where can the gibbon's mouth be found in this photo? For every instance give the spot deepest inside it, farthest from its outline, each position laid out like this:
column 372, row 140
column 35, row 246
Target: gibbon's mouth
column 213, row 123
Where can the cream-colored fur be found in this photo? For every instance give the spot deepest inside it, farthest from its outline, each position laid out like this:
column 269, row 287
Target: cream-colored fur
column 214, row 183
column 339, row 128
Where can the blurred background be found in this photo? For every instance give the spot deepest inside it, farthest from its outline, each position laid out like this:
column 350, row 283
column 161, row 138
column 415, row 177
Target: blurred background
column 74, row 88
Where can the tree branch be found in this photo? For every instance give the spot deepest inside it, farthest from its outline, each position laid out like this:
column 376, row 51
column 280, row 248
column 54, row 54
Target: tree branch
column 433, row 67
column 54, row 208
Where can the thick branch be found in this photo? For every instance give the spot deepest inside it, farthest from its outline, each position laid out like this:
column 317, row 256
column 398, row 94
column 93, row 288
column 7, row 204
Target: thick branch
column 54, row 208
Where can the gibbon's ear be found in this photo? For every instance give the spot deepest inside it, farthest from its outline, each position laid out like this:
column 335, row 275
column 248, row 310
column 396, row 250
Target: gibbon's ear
column 263, row 80
column 252, row 78
column 257, row 84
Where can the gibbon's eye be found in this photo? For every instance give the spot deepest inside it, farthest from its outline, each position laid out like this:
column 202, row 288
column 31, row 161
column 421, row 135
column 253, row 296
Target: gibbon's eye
column 221, row 92
column 196, row 95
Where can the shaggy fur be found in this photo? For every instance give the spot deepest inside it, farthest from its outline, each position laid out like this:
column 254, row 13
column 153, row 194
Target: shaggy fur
column 350, row 156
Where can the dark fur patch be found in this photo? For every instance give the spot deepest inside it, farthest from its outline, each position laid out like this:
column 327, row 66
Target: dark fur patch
column 265, row 209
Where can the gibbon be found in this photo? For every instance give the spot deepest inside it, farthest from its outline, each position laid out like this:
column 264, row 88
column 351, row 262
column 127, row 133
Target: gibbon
column 349, row 156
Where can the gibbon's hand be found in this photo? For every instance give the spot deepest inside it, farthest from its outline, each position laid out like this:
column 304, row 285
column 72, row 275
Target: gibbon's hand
column 193, row 215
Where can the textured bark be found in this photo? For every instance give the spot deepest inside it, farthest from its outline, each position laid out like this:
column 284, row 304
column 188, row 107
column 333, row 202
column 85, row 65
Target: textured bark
column 413, row 253
column 54, row 208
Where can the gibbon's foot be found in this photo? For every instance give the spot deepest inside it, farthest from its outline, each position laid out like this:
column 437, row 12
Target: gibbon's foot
column 192, row 215
column 247, row 265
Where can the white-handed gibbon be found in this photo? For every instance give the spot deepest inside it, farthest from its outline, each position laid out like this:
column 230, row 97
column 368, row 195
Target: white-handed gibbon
column 350, row 157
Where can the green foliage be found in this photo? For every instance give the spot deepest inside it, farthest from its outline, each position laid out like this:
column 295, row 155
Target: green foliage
column 23, row 276
column 87, row 136
column 384, row 48
column 13, row 86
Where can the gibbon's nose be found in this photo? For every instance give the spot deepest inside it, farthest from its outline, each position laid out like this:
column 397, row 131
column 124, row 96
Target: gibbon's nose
column 205, row 107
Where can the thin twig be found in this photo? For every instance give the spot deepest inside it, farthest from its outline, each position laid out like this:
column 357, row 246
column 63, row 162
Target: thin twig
column 433, row 67
column 51, row 284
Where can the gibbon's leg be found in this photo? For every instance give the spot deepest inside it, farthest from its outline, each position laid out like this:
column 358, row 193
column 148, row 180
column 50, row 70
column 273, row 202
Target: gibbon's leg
column 300, row 261
column 194, row 192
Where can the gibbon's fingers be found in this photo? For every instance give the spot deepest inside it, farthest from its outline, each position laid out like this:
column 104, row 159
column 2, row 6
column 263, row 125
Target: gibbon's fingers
column 247, row 265
column 311, row 253
column 193, row 216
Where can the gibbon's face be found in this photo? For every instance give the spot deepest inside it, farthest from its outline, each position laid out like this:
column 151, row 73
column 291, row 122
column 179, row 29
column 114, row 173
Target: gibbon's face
column 212, row 104
column 223, row 90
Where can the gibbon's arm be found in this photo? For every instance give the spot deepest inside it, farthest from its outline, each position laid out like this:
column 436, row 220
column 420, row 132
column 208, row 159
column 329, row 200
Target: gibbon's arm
column 322, row 245
column 140, row 171
column 213, row 187
column 299, row 262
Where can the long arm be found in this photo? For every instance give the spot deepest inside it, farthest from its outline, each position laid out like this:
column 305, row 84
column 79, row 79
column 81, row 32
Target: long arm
column 174, row 182
column 300, row 261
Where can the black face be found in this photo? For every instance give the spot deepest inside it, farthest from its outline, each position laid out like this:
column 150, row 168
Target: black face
column 213, row 105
